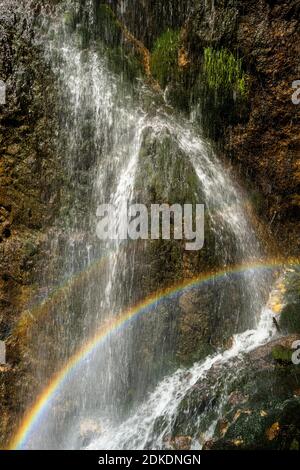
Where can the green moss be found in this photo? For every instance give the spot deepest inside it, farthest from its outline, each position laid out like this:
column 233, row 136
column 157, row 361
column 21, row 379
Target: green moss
column 165, row 172
column 224, row 71
column 70, row 20
column 123, row 62
column 107, row 27
column 294, row 445
column 164, row 58
column 290, row 318
column 282, row 354
column 293, row 286
column 202, row 350
column 257, row 200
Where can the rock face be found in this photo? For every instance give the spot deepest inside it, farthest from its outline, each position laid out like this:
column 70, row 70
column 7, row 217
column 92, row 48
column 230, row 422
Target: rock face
column 29, row 182
column 263, row 409
column 256, row 408
column 148, row 19
column 263, row 135
column 260, row 132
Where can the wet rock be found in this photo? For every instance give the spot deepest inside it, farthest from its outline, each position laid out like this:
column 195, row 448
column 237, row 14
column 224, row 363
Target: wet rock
column 13, row 149
column 266, row 432
column 181, row 443
column 273, row 432
column 263, row 354
column 27, row 168
column 282, row 354
column 252, row 409
column 237, row 398
column 223, row 426
column 290, row 315
column 266, row 36
column 265, row 420
column 290, row 318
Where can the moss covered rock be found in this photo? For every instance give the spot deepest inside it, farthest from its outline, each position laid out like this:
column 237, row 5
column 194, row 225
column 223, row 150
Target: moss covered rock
column 224, row 72
column 164, row 57
column 30, row 188
column 290, row 315
column 290, row 318
column 282, row 354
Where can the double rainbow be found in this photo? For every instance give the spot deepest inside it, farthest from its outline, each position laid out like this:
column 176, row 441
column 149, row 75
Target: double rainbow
column 33, row 417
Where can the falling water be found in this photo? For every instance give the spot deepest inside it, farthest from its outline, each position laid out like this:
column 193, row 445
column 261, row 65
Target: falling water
column 151, row 425
column 102, row 129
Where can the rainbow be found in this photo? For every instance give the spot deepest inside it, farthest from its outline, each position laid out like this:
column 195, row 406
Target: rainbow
column 41, row 309
column 33, row 417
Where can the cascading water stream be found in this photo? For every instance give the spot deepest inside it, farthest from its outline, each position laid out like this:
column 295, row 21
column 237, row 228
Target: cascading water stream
column 100, row 141
column 143, row 430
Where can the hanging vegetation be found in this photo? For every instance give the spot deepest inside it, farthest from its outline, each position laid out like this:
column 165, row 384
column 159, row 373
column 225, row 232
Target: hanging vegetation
column 225, row 71
column 164, row 58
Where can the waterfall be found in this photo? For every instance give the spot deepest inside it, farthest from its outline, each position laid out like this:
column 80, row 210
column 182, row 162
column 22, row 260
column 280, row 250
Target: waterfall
column 151, row 425
column 101, row 136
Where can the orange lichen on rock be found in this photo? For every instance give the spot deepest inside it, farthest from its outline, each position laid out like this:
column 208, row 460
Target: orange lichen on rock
column 273, row 431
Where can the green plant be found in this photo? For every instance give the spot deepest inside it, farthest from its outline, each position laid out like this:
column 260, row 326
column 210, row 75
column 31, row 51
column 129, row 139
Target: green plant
column 290, row 315
column 107, row 26
column 292, row 294
column 70, row 20
column 124, row 63
column 290, row 319
column 164, row 58
column 282, row 354
column 224, row 71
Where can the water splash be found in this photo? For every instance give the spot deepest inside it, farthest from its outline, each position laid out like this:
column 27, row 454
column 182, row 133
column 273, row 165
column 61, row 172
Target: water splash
column 151, row 425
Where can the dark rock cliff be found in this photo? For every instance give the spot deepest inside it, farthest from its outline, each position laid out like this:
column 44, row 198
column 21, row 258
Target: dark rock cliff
column 29, row 183
column 263, row 409
column 259, row 133
column 265, row 141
